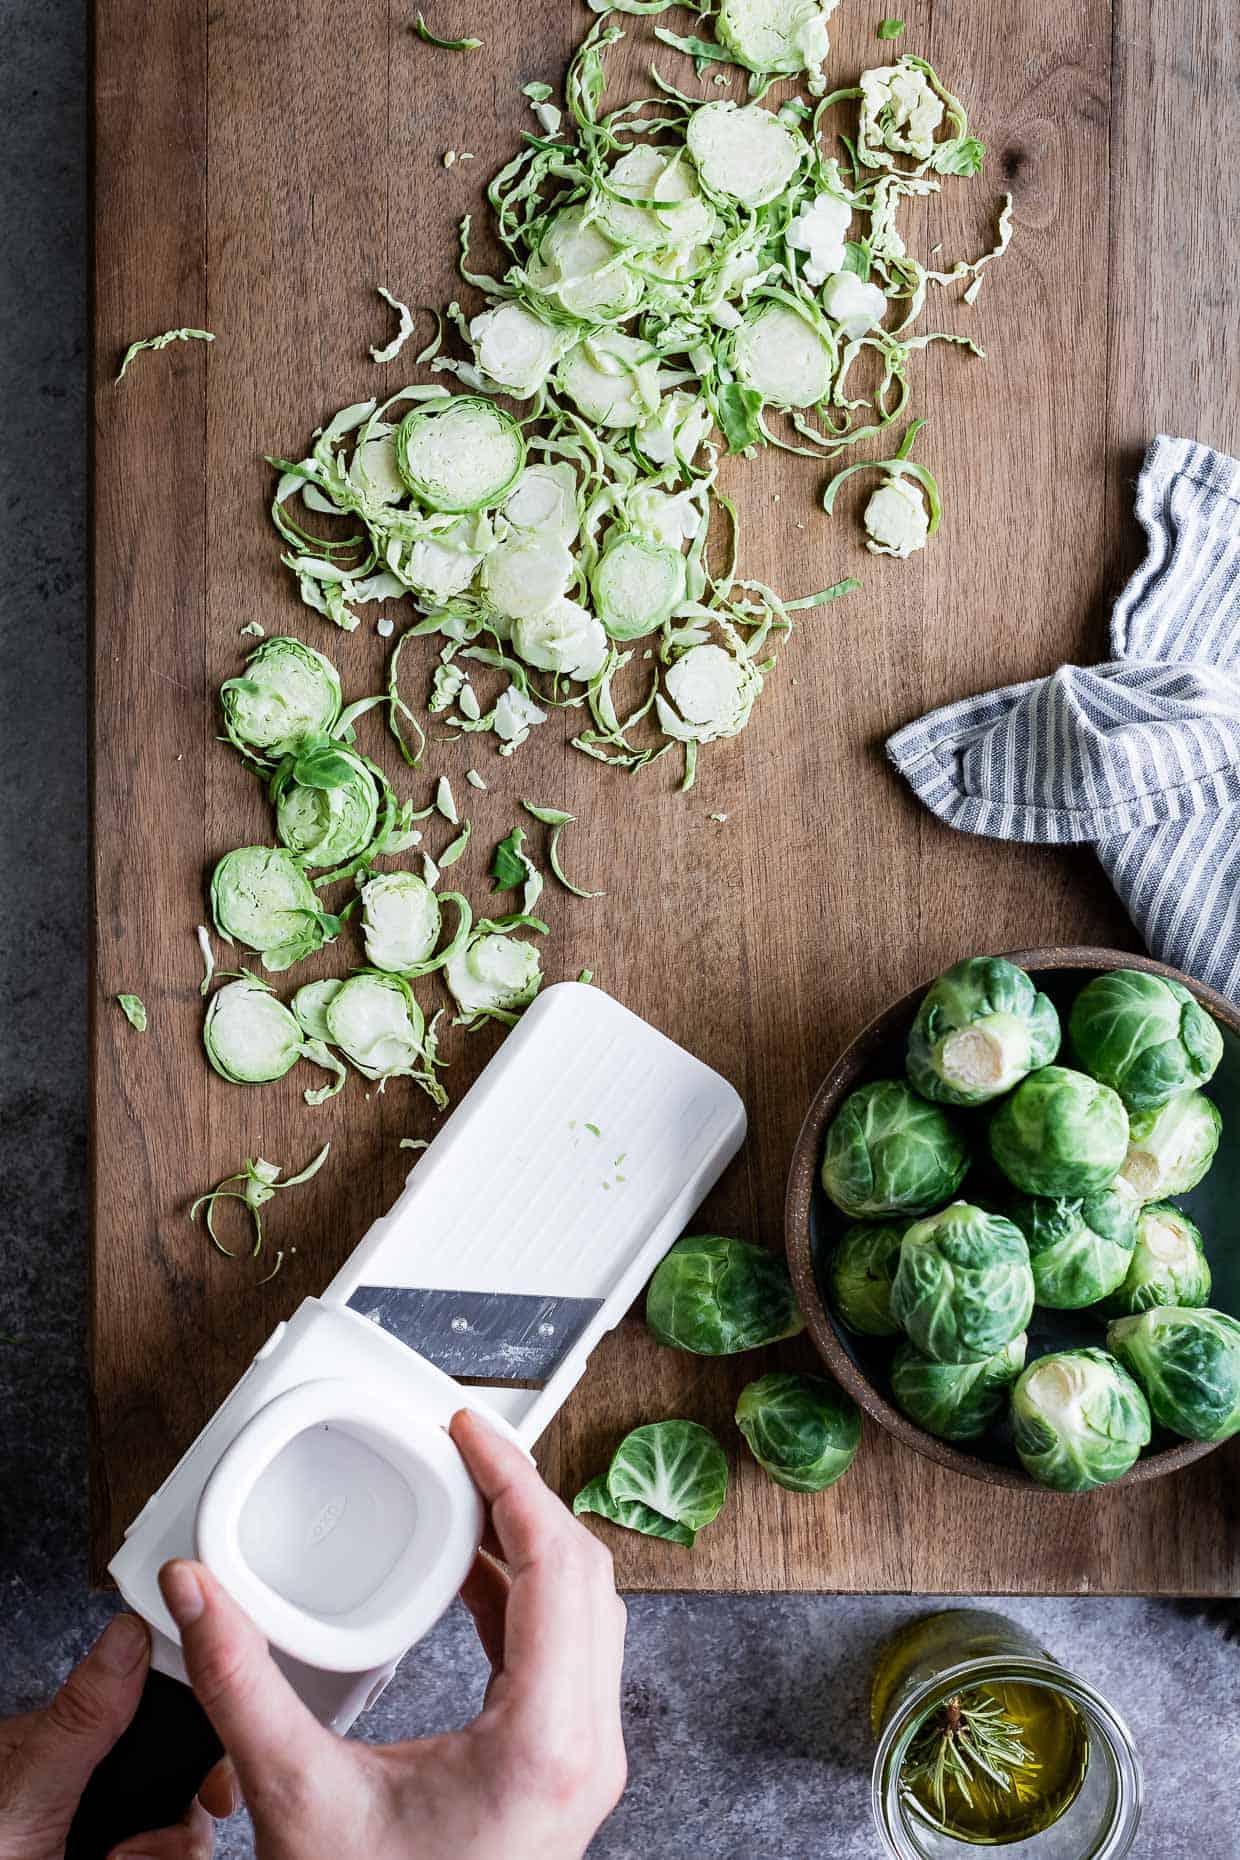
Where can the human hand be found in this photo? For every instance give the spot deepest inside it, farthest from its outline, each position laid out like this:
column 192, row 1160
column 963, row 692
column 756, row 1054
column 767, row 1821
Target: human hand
column 46, row 1757
column 530, row 1779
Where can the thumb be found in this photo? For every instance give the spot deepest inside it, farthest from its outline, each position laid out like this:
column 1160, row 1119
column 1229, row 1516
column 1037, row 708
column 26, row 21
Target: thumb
column 269, row 1734
column 83, row 1721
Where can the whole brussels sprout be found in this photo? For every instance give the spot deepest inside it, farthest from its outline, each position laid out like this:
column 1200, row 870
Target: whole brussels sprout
column 802, row 1430
column 1145, row 1036
column 963, row 1288
column 981, row 1028
column 859, row 1276
column 1079, row 1249
column 956, row 1401
column 1169, row 1150
column 1168, row 1265
column 889, row 1152
column 1078, row 1420
column 1188, row 1363
column 1060, row 1133
column 714, row 1296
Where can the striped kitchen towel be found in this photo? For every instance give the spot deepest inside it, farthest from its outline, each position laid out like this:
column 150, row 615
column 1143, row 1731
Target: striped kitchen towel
column 1140, row 756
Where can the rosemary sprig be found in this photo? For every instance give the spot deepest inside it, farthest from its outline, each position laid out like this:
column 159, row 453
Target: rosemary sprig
column 967, row 1742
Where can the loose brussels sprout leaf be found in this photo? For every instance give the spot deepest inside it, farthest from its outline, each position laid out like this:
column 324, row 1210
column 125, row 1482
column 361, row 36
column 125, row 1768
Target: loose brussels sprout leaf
column 955, row 1401
column 250, row 1036
column 260, row 1181
column 161, row 342
column 459, row 454
column 287, row 693
column 134, row 1009
column 445, row 45
column 715, row 1296
column 677, row 1468
column 1167, row 1265
column 1060, row 1133
column 631, row 1514
column 1188, row 1363
column 557, row 820
column 1078, row 1420
column 802, row 1430
column 261, row 897
column 1079, row 1250
column 495, row 975
column 390, row 350
column 400, row 921
column 981, row 1028
column 379, row 1027
column 889, row 1152
column 889, row 28
column 1145, row 1036
column 327, row 804
column 1171, row 1149
column 963, row 1287
column 859, row 1276
column 309, row 1006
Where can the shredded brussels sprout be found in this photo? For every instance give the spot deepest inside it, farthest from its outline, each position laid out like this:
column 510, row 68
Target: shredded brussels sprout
column 445, row 45
column 161, row 342
column 390, row 350
column 260, row 1182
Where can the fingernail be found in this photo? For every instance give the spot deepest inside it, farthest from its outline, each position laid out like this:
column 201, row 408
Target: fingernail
column 124, row 1643
column 182, row 1591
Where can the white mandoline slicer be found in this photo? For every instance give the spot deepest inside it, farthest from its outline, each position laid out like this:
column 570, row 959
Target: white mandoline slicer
column 325, row 1494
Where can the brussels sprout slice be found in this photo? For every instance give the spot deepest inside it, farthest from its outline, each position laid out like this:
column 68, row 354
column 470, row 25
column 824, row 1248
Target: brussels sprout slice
column 802, row 1430
column 676, row 1468
column 1078, row 1420
column 1060, row 1133
column 1188, row 1363
column 261, row 897
column 742, row 152
column 781, row 355
column 524, row 577
column 249, row 1035
column 652, row 201
column 777, row 36
column 379, row 1027
column 1167, row 1265
column 631, row 1514
column 859, row 1275
column 956, row 1401
column 565, row 638
column 459, row 454
column 637, row 585
column 287, row 693
column 709, row 694
column 889, row 1152
column 494, row 976
column 580, row 271
column 543, row 502
column 612, row 378
column 327, row 804
column 981, row 1028
column 1080, row 1250
column 1171, row 1149
column 401, row 923
column 963, row 1287
column 1145, row 1036
column 309, row 1006
column 715, row 1296
column 514, row 348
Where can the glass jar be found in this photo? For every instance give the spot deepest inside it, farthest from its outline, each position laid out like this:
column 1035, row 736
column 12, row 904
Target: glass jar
column 1093, row 1807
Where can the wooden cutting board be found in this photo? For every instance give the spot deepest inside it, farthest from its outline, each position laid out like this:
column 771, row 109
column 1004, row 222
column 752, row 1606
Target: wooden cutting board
column 260, row 169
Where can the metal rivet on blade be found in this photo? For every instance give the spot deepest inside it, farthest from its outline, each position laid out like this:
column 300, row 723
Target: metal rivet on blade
column 460, row 1323
column 546, row 1330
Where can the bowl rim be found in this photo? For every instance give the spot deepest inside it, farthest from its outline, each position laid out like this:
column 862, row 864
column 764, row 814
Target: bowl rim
column 841, row 1077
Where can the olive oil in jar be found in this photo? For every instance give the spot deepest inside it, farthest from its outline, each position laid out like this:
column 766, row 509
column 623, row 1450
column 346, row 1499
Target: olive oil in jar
column 997, row 1762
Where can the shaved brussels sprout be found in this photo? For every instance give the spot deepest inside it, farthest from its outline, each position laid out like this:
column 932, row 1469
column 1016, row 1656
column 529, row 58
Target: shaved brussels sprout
column 261, row 897
column 742, row 152
column 1078, row 1420
column 1145, row 1036
column 981, row 1028
column 859, row 1276
column 379, row 1027
column 526, row 576
column 564, row 637
column 889, row 1152
column 819, row 229
column 1172, row 1148
column 327, row 803
column 1167, row 1266
column 1060, row 1133
column 400, row 921
column 777, row 36
column 309, row 1005
column 495, row 975
column 1080, row 1250
column 956, row 1401
column 637, row 584
column 1188, row 1363
column 543, row 502
column 715, row 1296
column 515, row 349
column 612, row 378
column 459, row 454
column 903, row 107
column 251, row 1038
column 780, row 353
column 674, row 1469
column 288, row 692
column 802, row 1430
column 963, row 1287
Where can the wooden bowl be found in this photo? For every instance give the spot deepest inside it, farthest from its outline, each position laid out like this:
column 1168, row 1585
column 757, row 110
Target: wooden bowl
column 860, row 1364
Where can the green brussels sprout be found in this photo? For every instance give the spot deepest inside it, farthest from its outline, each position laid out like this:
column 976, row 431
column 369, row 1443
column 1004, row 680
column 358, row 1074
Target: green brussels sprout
column 859, row 1276
column 1145, row 1036
column 956, row 1401
column 889, row 1152
column 963, row 1287
column 1079, row 1249
column 1168, row 1265
column 802, row 1430
column 1188, row 1363
column 1078, row 1420
column 1169, row 1150
column 981, row 1028
column 715, row 1296
column 1060, row 1133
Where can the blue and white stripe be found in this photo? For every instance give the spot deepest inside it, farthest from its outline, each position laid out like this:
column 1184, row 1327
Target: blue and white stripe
column 1140, row 756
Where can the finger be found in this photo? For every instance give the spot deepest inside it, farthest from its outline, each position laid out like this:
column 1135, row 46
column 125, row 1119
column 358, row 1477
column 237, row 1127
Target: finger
column 219, row 1794
column 83, row 1721
column 269, row 1734
column 193, row 1838
column 485, row 1594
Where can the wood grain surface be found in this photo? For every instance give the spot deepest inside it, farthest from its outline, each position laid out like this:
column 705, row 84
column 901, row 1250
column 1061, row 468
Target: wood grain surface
column 260, row 169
